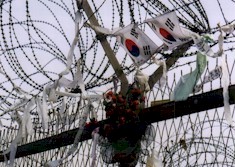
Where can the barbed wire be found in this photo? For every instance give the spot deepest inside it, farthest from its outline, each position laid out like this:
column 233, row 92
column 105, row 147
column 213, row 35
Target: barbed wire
column 33, row 51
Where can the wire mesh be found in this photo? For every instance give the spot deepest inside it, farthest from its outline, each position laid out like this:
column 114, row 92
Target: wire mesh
column 33, row 50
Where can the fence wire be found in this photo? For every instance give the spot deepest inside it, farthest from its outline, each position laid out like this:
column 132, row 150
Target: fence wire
column 33, row 50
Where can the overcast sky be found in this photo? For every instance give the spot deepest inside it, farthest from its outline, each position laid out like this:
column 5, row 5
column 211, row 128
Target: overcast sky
column 64, row 24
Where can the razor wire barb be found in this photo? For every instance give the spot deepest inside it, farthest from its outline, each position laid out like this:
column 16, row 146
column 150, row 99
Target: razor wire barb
column 33, row 50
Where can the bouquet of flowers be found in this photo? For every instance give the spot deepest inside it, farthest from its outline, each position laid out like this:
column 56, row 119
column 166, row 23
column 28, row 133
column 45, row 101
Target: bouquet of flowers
column 121, row 136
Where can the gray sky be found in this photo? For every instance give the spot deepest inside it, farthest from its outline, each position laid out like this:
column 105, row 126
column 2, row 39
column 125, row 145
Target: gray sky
column 60, row 43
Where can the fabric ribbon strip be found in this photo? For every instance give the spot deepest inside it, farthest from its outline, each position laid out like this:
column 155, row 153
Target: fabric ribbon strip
column 71, row 50
column 154, row 160
column 24, row 122
column 162, row 63
column 187, row 82
column 142, row 80
column 82, row 121
column 13, row 147
column 62, row 112
column 63, row 82
column 225, row 83
column 53, row 94
column 95, row 138
column 214, row 74
column 225, row 77
column 44, row 111
column 228, row 29
column 27, row 125
column 103, row 30
column 203, row 46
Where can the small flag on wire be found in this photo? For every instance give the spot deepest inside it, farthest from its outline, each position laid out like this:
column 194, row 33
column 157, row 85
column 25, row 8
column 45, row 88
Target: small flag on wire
column 168, row 29
column 136, row 43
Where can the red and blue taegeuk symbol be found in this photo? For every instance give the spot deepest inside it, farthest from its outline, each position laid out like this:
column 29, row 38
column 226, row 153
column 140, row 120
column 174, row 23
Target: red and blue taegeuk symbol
column 166, row 35
column 132, row 47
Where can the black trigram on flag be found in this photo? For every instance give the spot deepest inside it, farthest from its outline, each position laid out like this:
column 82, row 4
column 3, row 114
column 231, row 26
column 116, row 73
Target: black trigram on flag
column 183, row 39
column 170, row 24
column 147, row 50
column 134, row 33
column 153, row 27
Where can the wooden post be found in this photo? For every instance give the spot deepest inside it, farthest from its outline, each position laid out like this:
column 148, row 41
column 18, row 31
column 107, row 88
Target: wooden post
column 108, row 50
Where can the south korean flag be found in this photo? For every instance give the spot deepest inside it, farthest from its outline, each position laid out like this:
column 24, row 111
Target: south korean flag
column 136, row 43
column 168, row 30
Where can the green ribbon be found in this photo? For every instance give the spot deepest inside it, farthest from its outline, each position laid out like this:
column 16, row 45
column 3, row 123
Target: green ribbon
column 187, row 82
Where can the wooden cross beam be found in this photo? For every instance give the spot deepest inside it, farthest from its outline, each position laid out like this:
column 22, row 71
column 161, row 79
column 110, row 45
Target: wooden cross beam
column 193, row 104
column 107, row 49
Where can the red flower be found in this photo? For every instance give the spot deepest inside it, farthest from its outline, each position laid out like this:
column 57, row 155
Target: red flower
column 109, row 94
column 114, row 98
column 107, row 130
column 122, row 120
column 120, row 99
column 130, row 114
column 135, row 104
column 109, row 113
column 136, row 91
column 142, row 99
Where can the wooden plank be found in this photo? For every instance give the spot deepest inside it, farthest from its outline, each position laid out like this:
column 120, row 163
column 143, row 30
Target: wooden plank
column 194, row 104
